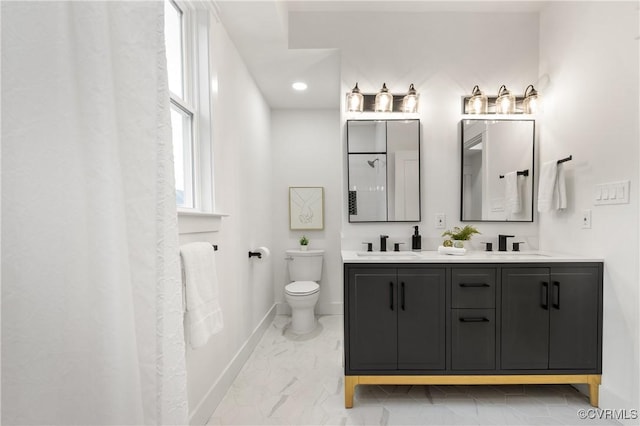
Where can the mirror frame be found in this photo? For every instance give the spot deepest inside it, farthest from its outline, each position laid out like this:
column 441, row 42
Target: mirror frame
column 348, row 153
column 531, row 175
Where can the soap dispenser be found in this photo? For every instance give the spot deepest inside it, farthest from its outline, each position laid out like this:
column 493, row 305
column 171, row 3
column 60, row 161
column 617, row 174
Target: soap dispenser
column 416, row 240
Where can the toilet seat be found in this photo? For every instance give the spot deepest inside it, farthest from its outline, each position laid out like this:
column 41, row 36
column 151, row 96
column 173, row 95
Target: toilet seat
column 302, row 288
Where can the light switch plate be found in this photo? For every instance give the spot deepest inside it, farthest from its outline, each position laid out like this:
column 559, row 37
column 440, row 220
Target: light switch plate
column 611, row 193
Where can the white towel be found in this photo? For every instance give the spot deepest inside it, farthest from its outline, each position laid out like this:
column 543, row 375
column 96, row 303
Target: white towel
column 560, row 192
column 203, row 315
column 547, row 186
column 512, row 193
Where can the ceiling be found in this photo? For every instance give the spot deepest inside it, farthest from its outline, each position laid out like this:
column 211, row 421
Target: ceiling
column 259, row 30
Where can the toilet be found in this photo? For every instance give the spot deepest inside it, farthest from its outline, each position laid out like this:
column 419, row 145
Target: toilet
column 305, row 270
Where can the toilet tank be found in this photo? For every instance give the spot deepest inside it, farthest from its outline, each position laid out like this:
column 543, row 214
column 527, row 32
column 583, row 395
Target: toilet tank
column 305, row 265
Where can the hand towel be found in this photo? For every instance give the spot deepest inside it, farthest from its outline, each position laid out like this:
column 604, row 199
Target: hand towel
column 546, row 185
column 452, row 250
column 512, row 193
column 560, row 192
column 203, row 315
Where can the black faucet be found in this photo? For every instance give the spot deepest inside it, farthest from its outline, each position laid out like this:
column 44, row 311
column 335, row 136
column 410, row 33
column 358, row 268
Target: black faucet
column 502, row 241
column 383, row 242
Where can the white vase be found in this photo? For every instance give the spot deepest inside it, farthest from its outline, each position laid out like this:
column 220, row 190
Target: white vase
column 303, row 248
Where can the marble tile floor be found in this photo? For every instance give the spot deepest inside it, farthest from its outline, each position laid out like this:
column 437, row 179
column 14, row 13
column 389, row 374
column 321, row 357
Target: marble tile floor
column 298, row 380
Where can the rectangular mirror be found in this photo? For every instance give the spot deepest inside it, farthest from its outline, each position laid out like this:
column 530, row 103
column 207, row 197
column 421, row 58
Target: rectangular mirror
column 497, row 170
column 383, row 170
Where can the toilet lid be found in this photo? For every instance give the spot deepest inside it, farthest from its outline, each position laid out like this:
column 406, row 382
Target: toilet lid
column 302, row 288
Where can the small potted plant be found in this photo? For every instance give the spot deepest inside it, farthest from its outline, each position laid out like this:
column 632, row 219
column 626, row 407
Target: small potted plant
column 459, row 236
column 304, row 243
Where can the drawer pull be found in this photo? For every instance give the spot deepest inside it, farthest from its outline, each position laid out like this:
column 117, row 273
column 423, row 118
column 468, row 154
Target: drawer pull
column 474, row 285
column 544, row 296
column 474, row 319
column 402, row 295
column 556, row 294
column 391, row 296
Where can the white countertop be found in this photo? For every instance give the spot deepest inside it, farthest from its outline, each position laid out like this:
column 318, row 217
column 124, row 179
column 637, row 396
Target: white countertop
column 353, row 256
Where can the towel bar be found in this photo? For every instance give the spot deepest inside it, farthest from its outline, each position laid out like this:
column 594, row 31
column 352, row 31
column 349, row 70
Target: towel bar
column 564, row 160
column 520, row 173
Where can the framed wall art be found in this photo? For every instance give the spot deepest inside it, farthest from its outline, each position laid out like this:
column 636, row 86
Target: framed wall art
column 306, row 207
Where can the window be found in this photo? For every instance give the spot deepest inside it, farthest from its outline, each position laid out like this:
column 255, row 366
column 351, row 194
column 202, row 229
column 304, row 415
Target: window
column 186, row 39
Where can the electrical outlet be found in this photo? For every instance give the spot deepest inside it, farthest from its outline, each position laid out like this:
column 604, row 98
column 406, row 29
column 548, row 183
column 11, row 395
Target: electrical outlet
column 441, row 221
column 586, row 219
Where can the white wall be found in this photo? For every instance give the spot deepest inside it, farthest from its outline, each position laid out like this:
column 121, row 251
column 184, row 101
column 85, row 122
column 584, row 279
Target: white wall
column 307, row 152
column 444, row 55
column 589, row 56
column 242, row 163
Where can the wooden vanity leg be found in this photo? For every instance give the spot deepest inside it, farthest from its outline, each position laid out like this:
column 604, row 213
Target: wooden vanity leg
column 594, row 386
column 350, row 383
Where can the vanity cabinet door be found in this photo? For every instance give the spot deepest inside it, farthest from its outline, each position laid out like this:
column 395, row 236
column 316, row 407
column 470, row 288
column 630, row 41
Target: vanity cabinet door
column 525, row 318
column 574, row 310
column 372, row 316
column 421, row 319
column 551, row 318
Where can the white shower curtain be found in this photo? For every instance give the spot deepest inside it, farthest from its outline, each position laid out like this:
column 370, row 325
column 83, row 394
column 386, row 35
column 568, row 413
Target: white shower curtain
column 91, row 296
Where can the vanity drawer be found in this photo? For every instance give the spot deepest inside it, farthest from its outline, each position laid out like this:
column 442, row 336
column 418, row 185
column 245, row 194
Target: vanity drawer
column 473, row 288
column 473, row 339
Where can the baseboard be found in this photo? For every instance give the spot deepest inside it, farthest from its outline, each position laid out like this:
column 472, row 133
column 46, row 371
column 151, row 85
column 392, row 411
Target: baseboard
column 334, row 308
column 201, row 414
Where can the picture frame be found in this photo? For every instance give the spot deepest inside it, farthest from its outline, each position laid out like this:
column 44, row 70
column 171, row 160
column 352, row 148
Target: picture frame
column 306, row 207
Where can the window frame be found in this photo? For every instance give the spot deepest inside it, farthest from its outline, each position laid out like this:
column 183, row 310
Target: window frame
column 195, row 27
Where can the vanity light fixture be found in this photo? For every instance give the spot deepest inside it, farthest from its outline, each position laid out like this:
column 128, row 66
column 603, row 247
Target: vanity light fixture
column 355, row 100
column 384, row 100
column 478, row 102
column 410, row 101
column 506, row 101
column 531, row 102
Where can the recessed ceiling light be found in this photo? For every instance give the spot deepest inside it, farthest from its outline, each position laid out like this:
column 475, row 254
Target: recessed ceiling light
column 299, row 86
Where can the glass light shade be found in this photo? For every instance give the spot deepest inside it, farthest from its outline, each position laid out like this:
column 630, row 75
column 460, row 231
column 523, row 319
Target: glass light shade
column 410, row 101
column 355, row 100
column 384, row 100
column 478, row 102
column 506, row 101
column 531, row 103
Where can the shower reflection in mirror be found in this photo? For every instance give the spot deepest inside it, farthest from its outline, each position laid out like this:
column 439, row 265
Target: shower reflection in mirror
column 383, row 157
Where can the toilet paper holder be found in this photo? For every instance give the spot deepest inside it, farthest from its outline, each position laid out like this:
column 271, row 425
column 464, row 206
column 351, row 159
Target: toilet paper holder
column 260, row 253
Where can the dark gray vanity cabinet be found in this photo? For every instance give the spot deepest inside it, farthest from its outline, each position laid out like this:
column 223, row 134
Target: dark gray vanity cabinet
column 551, row 318
column 396, row 318
column 473, row 323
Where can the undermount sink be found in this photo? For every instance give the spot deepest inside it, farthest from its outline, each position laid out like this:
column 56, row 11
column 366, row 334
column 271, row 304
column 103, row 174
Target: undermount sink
column 517, row 253
column 391, row 255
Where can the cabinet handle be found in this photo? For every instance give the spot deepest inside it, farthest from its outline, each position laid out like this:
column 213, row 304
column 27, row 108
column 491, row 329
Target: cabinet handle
column 544, row 302
column 474, row 285
column 556, row 295
column 481, row 319
column 402, row 295
column 391, row 296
